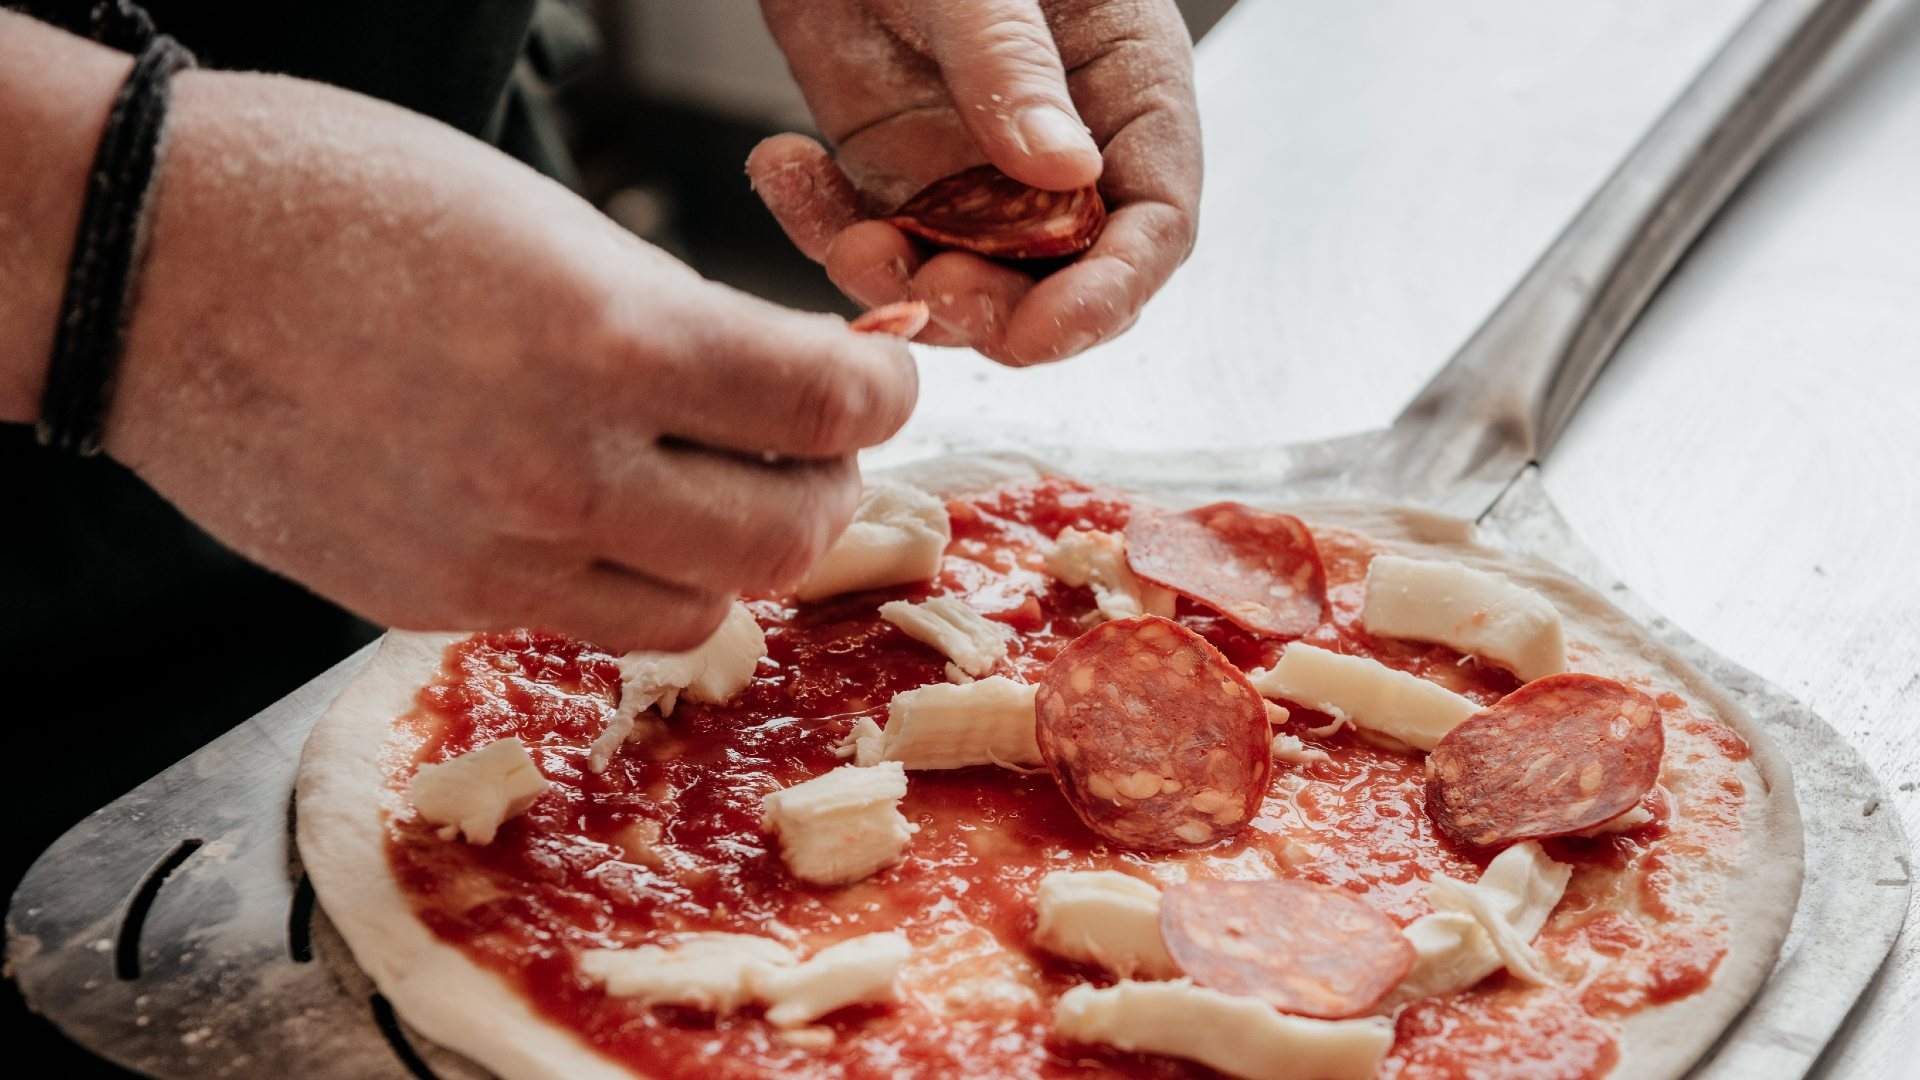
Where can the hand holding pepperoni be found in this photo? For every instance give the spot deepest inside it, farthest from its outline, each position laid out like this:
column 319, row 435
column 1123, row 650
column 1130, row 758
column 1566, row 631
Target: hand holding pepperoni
column 912, row 91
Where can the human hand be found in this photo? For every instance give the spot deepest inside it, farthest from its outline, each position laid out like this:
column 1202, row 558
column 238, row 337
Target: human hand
column 910, row 91
column 385, row 360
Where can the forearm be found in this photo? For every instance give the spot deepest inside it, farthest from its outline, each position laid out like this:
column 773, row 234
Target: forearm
column 55, row 90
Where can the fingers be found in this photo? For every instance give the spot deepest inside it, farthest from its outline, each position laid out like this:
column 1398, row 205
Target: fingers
column 716, row 522
column 1000, row 64
column 970, row 298
column 808, row 194
column 622, row 610
column 872, row 263
column 1101, row 293
column 749, row 376
column 612, row 606
column 508, row 584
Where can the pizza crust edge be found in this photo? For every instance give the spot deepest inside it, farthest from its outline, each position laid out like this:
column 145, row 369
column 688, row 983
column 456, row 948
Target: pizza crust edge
column 342, row 796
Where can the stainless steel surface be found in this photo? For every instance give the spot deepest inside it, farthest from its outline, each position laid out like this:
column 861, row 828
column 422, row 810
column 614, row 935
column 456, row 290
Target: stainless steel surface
column 1858, row 883
column 1505, row 396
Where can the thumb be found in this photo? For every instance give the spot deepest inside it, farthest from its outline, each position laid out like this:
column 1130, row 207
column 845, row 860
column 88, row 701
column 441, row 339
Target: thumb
column 1001, row 65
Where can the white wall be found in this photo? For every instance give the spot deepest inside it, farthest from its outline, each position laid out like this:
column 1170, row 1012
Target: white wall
column 717, row 54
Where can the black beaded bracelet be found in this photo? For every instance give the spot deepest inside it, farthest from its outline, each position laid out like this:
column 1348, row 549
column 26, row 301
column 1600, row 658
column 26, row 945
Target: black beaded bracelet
column 91, row 332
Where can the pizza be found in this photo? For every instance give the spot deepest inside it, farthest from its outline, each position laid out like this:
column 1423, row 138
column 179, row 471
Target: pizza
column 1032, row 778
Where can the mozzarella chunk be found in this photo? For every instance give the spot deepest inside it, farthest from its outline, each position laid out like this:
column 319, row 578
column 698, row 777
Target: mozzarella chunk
column 897, row 535
column 858, row 970
column 840, row 826
column 1450, row 953
column 1290, row 749
column 728, row 658
column 1105, row 918
column 1083, row 557
column 715, row 972
column 1240, row 1036
column 944, row 726
column 1471, row 610
column 723, row 972
column 972, row 641
column 1366, row 692
column 713, row 671
column 1488, row 907
column 865, row 743
column 1476, row 929
column 1627, row 822
column 474, row 794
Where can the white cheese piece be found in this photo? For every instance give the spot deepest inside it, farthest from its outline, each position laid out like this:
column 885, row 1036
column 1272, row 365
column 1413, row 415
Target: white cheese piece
column 840, row 826
column 1366, row 692
column 858, row 970
column 1634, row 818
column 1478, row 928
column 1486, row 907
column 1290, row 749
column 944, row 726
column 715, row 972
column 1105, row 918
column 972, row 641
column 1081, row 557
column 1471, row 610
column 865, row 743
column 1240, row 1036
column 727, row 659
column 713, row 671
column 473, row 794
column 652, row 678
column 897, row 535
column 815, row 1039
column 1450, row 953
column 955, row 675
column 600, row 752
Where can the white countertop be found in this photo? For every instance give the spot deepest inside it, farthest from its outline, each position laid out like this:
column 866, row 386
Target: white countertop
column 1379, row 174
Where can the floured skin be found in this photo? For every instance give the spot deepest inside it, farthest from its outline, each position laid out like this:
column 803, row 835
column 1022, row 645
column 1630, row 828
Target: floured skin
column 676, row 837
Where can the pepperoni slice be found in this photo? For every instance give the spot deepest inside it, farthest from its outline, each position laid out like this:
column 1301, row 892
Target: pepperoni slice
column 984, row 210
column 1157, row 741
column 1259, row 569
column 901, row 320
column 1556, row 756
column 1303, row 948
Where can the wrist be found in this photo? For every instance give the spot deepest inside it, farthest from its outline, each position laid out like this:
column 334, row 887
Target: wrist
column 55, row 92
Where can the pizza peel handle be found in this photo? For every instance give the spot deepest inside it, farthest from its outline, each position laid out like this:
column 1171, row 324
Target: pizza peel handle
column 1510, row 390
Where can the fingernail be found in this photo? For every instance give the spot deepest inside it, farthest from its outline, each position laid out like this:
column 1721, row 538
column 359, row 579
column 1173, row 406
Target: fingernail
column 881, row 283
column 1078, row 343
column 1046, row 130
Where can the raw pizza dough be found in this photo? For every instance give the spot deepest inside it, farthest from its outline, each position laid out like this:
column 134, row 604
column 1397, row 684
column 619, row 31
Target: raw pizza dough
column 343, row 799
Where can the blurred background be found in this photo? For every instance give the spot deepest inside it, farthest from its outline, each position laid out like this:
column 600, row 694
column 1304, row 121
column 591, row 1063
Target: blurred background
column 706, row 80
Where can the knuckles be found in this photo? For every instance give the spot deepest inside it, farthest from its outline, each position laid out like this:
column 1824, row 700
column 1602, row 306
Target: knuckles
column 834, row 409
column 680, row 625
column 547, row 494
column 790, row 545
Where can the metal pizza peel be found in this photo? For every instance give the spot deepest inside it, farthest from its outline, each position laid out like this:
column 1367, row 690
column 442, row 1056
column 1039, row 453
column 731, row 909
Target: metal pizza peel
column 172, row 931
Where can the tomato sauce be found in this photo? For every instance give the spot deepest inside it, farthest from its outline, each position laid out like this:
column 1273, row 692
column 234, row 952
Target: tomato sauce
column 668, row 840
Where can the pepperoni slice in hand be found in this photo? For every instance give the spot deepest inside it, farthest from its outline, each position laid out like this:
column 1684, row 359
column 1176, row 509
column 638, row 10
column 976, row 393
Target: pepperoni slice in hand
column 1157, row 741
column 1259, row 569
column 1559, row 755
column 1303, row 948
column 985, row 211
column 901, row 320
